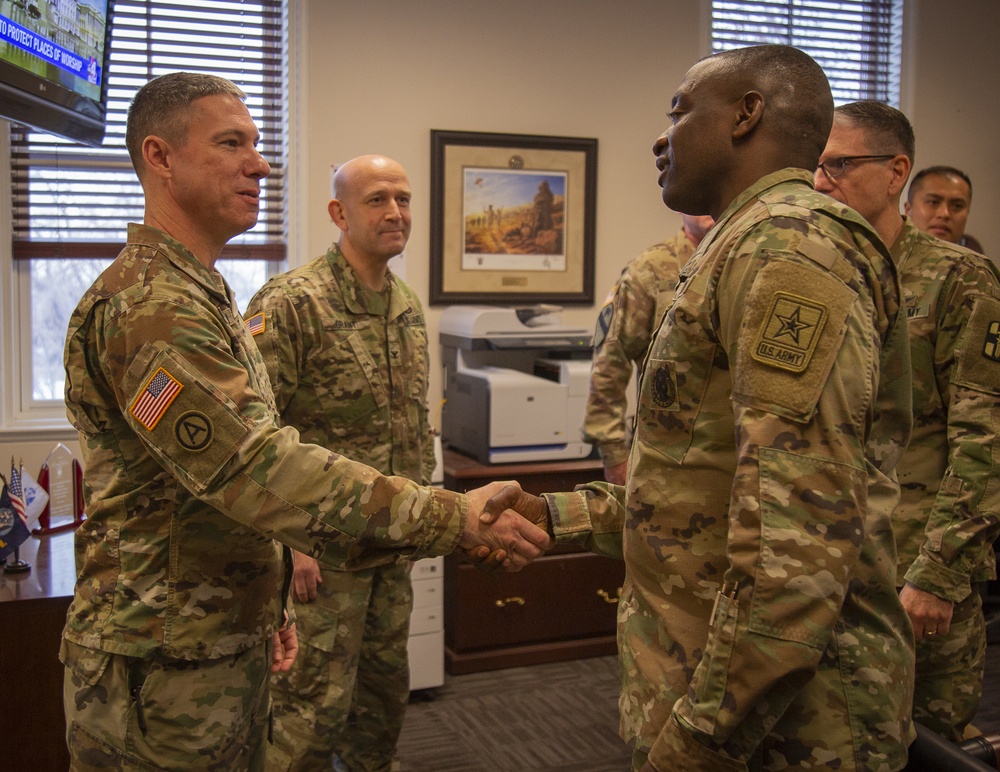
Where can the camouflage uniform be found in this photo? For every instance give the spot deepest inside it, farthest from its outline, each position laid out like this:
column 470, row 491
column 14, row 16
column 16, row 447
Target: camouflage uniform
column 624, row 328
column 348, row 366
column 949, row 510
column 188, row 481
column 759, row 625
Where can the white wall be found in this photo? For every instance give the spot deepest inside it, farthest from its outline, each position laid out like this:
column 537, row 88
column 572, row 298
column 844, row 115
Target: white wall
column 382, row 75
column 951, row 60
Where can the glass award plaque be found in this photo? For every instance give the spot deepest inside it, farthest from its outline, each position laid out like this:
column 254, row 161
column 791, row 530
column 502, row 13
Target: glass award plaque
column 62, row 478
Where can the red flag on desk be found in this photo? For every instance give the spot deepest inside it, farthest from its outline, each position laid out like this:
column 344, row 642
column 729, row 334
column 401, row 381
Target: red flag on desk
column 13, row 531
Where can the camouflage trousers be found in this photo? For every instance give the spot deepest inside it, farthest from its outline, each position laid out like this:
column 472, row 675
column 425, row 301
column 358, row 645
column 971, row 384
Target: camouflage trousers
column 125, row 713
column 346, row 695
column 949, row 684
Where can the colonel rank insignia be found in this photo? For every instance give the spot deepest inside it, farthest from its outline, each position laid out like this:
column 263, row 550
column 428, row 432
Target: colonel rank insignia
column 991, row 345
column 790, row 332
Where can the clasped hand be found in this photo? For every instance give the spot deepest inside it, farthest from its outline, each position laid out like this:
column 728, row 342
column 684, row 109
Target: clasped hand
column 505, row 526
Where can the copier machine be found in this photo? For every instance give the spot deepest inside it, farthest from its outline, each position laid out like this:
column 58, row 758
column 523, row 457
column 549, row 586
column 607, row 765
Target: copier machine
column 515, row 383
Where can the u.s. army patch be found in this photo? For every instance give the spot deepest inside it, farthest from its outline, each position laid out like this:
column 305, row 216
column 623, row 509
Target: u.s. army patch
column 154, row 399
column 991, row 342
column 789, row 333
column 256, row 324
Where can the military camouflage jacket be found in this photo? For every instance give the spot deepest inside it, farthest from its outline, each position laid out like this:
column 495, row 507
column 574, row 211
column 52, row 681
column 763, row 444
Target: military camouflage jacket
column 949, row 512
column 348, row 368
column 759, row 620
column 188, row 478
column 624, row 328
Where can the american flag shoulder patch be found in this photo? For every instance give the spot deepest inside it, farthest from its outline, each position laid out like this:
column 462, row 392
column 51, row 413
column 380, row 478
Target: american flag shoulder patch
column 160, row 390
column 255, row 324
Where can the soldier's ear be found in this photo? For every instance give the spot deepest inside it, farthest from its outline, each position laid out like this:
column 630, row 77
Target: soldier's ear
column 900, row 173
column 749, row 110
column 336, row 210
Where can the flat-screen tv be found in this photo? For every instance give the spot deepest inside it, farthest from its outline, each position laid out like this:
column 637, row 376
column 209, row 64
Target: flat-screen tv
column 53, row 65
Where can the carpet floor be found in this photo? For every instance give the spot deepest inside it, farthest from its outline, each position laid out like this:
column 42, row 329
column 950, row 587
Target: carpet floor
column 561, row 717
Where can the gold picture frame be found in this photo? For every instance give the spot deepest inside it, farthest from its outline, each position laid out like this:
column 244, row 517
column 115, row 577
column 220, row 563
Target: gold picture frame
column 512, row 218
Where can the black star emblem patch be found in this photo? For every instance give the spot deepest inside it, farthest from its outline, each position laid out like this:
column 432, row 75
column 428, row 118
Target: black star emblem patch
column 789, row 333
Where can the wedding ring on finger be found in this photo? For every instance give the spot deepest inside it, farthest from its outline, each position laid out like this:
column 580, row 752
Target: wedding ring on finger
column 930, row 632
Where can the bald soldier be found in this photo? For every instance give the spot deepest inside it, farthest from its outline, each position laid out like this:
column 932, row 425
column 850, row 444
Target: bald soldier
column 345, row 345
column 178, row 614
column 949, row 513
column 759, row 624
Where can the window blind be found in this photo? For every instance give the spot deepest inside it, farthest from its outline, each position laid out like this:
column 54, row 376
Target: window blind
column 72, row 201
column 850, row 39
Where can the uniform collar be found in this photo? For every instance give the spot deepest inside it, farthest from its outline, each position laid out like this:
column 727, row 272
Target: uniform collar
column 181, row 257
column 358, row 297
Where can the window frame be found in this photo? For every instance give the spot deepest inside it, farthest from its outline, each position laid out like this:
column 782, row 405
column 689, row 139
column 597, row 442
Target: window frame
column 23, row 418
column 893, row 47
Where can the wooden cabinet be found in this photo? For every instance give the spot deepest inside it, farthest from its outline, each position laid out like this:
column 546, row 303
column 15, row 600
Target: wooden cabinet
column 562, row 606
column 32, row 614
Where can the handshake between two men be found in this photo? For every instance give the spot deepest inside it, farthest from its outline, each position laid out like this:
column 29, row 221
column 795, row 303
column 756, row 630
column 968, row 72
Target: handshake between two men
column 506, row 527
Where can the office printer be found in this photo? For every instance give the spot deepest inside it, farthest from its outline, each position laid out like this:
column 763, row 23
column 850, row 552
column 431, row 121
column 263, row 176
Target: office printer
column 515, row 383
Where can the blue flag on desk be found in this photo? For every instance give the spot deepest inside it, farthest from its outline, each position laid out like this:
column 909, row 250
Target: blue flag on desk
column 13, row 531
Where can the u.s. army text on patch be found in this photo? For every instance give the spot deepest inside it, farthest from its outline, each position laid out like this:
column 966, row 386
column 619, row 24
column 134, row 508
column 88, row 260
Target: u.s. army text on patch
column 789, row 333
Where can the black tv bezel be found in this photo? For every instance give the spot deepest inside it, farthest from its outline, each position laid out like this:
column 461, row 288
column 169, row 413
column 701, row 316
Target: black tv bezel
column 49, row 106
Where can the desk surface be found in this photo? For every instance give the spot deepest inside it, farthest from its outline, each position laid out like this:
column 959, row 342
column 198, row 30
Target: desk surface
column 52, row 574
column 460, row 466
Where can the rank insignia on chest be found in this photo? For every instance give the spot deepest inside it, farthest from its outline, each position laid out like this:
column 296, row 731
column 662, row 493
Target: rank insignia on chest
column 663, row 386
column 789, row 333
column 160, row 390
column 991, row 344
column 256, row 324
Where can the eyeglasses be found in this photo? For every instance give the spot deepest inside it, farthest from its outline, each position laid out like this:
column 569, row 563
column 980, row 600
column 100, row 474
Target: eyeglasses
column 835, row 167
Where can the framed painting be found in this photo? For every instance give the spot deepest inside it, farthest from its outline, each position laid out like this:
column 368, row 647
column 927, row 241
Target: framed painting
column 512, row 218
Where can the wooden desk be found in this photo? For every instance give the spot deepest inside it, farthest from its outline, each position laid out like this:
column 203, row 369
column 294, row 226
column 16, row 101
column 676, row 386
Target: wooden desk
column 563, row 606
column 32, row 614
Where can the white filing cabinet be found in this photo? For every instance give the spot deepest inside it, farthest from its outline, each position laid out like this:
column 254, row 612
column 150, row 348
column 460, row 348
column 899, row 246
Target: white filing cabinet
column 426, row 644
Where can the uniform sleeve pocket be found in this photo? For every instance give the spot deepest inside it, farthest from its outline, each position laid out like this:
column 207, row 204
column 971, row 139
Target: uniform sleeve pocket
column 192, row 428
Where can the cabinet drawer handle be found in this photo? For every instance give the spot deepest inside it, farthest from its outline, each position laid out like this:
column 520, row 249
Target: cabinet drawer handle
column 506, row 601
column 607, row 597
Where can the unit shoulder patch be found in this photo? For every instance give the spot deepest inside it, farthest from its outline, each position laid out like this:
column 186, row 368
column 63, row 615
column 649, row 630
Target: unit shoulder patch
column 193, row 431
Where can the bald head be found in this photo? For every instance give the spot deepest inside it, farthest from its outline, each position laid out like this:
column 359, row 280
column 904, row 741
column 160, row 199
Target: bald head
column 796, row 92
column 371, row 206
column 738, row 116
column 349, row 173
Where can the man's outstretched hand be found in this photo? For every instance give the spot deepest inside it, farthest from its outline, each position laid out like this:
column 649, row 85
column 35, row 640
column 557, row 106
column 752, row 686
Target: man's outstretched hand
column 502, row 528
column 529, row 506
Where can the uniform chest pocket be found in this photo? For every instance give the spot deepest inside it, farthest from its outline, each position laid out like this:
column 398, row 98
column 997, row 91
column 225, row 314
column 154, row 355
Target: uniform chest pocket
column 675, row 381
column 347, row 379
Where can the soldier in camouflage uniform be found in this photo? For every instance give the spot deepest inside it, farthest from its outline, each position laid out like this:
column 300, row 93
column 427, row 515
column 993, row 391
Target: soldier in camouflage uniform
column 759, row 626
column 624, row 328
column 177, row 616
column 949, row 512
column 345, row 344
